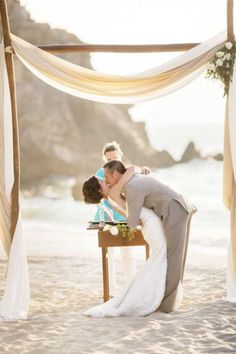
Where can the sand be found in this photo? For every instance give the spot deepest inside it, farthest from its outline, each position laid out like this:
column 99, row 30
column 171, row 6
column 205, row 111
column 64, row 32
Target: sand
column 63, row 287
column 65, row 279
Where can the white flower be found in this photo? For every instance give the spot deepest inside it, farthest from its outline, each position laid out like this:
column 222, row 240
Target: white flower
column 106, row 227
column 228, row 56
column 139, row 227
column 228, row 45
column 219, row 62
column 210, row 66
column 219, row 54
column 114, row 231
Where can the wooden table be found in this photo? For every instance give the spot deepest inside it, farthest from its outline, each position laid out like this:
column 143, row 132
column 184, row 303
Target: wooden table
column 105, row 240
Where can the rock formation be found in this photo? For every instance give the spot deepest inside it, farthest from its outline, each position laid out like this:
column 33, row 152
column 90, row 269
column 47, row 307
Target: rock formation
column 63, row 135
column 190, row 153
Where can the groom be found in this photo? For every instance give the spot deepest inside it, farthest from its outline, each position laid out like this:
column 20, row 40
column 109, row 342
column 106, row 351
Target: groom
column 174, row 211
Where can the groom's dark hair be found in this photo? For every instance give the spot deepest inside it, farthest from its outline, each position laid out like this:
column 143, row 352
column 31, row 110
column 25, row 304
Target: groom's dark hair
column 115, row 165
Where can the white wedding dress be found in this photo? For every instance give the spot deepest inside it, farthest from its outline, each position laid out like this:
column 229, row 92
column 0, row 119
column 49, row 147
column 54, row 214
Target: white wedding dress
column 144, row 293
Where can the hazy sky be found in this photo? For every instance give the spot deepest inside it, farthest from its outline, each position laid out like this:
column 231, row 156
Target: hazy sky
column 133, row 21
column 142, row 22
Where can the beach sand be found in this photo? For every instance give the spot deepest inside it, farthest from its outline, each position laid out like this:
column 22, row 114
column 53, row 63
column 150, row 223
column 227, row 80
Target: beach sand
column 66, row 279
column 63, row 287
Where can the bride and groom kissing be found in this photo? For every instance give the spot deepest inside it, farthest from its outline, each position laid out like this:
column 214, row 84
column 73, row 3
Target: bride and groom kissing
column 165, row 216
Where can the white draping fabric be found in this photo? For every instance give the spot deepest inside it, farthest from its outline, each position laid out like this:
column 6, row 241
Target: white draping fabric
column 91, row 85
column 230, row 185
column 170, row 76
column 15, row 301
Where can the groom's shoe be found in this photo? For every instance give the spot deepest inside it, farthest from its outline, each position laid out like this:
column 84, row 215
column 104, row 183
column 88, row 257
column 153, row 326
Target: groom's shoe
column 173, row 301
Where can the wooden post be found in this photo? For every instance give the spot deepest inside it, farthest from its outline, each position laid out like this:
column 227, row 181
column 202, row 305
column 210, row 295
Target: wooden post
column 11, row 78
column 230, row 20
column 147, row 251
column 92, row 48
column 105, row 274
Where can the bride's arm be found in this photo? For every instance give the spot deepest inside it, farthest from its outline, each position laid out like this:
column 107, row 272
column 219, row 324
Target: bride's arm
column 119, row 207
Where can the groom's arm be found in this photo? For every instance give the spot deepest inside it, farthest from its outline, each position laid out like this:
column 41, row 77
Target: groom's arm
column 135, row 200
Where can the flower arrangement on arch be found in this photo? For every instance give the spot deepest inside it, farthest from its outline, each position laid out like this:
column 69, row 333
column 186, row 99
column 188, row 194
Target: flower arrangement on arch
column 222, row 65
column 124, row 230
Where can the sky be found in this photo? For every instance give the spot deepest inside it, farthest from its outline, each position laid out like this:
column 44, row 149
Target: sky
column 199, row 105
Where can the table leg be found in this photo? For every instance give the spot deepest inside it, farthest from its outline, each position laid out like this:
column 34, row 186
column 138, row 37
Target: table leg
column 147, row 251
column 105, row 274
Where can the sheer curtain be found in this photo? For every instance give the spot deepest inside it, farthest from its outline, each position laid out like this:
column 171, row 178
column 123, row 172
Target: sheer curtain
column 15, row 301
column 91, row 85
column 230, row 185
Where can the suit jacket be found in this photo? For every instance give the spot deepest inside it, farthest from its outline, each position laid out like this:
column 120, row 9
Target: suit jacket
column 147, row 191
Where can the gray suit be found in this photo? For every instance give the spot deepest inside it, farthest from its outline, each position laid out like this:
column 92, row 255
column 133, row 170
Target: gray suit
column 175, row 213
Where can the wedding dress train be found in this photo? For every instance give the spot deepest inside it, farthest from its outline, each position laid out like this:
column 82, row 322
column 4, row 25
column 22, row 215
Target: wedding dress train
column 144, row 293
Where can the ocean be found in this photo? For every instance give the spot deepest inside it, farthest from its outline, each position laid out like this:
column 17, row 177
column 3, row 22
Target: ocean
column 55, row 225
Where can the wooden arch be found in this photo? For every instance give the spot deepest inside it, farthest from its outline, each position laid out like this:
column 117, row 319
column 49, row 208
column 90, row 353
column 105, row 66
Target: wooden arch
column 73, row 48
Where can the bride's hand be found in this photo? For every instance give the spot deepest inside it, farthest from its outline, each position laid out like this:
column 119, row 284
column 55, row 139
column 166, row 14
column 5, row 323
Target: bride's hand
column 145, row 170
column 140, row 223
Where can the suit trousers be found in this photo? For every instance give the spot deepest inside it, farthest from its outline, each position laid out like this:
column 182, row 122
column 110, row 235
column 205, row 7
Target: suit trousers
column 177, row 236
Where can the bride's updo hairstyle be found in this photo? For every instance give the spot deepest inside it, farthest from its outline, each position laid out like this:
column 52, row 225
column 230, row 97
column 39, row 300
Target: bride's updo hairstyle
column 115, row 165
column 92, row 191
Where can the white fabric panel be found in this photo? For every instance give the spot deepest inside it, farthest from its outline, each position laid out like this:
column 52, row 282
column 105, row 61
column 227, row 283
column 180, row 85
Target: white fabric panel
column 232, row 120
column 15, row 302
column 89, row 84
column 231, row 270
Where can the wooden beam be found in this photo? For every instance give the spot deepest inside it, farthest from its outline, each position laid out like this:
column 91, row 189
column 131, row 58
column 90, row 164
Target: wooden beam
column 230, row 20
column 11, row 77
column 5, row 23
column 92, row 48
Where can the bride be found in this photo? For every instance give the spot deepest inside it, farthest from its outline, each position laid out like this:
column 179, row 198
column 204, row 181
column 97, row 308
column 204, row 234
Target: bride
column 143, row 294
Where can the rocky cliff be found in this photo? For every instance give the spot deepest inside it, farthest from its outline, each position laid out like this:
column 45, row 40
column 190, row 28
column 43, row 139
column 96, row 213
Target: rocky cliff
column 61, row 135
